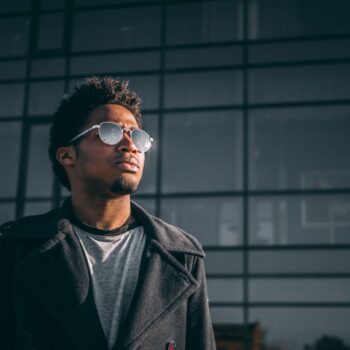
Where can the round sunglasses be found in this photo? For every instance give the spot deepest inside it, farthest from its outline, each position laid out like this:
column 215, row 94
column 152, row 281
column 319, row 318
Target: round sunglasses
column 112, row 133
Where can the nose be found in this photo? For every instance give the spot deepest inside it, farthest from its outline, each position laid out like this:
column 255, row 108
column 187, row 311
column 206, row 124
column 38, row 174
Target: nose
column 126, row 145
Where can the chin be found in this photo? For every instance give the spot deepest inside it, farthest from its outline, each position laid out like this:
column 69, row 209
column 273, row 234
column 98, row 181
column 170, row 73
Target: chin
column 124, row 186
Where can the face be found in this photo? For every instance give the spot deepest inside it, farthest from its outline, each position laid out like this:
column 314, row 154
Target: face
column 107, row 170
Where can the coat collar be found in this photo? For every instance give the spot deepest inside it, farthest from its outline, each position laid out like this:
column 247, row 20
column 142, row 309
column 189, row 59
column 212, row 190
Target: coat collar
column 56, row 273
column 46, row 225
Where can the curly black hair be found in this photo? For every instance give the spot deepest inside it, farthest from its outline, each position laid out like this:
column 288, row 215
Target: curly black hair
column 74, row 111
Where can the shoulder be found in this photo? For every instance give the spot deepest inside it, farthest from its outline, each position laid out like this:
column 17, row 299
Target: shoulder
column 27, row 226
column 173, row 238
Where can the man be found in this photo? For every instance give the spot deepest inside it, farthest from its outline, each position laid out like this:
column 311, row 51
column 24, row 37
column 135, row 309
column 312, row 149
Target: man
column 100, row 272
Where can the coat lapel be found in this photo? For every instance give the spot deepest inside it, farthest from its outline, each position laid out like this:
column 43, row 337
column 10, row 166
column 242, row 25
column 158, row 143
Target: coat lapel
column 164, row 284
column 57, row 275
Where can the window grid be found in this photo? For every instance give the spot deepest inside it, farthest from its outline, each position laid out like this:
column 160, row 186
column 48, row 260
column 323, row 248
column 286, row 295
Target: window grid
column 246, row 106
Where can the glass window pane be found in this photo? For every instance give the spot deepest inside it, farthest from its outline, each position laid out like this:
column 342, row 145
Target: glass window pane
column 213, row 221
column 147, row 204
column 14, row 34
column 117, row 28
column 11, row 100
column 220, row 262
column 147, row 87
column 50, row 31
column 40, row 176
column 52, row 4
column 203, row 57
column 7, row 212
column 12, row 69
column 295, row 328
column 204, row 22
column 304, row 83
column 307, row 261
column 300, row 220
column 149, row 177
column 226, row 315
column 14, row 5
column 105, row 2
column 10, row 143
column 35, row 208
column 48, row 68
column 203, row 89
column 299, row 51
column 299, row 290
column 114, row 64
column 202, row 152
column 288, row 18
column 303, row 148
column 44, row 97
column 225, row 290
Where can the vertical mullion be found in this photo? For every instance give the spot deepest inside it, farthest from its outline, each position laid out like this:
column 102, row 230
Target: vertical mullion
column 25, row 133
column 161, row 108
column 67, row 46
column 245, row 179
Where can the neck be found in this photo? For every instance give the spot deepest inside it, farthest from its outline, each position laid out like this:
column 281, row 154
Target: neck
column 102, row 213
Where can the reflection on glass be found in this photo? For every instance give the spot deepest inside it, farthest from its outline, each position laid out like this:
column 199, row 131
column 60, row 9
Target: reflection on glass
column 116, row 63
column 202, row 152
column 305, row 148
column 11, row 100
column 204, row 22
column 48, row 67
column 307, row 261
column 12, row 69
column 225, row 290
column 35, row 208
column 203, row 57
column 300, row 220
column 299, row 290
column 223, row 262
column 117, row 28
column 289, row 18
column 303, row 83
column 14, row 33
column 10, row 136
column 149, row 177
column 40, row 176
column 7, row 212
column 298, row 51
column 50, row 31
column 213, row 221
column 203, row 89
column 44, row 97
column 294, row 328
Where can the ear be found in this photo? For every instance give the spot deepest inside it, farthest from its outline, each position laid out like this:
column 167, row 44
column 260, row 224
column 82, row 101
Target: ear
column 66, row 155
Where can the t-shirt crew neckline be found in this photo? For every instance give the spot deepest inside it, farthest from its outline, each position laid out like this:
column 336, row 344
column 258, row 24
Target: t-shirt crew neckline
column 130, row 224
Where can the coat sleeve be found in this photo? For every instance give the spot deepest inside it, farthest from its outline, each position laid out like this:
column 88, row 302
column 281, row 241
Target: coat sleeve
column 6, row 306
column 200, row 335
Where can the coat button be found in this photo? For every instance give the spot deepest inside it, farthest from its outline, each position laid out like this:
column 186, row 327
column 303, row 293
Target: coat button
column 171, row 346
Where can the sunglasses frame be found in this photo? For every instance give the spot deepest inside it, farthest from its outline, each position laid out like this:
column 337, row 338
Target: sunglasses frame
column 98, row 126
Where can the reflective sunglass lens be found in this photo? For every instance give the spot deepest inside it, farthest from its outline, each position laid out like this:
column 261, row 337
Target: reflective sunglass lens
column 141, row 140
column 110, row 133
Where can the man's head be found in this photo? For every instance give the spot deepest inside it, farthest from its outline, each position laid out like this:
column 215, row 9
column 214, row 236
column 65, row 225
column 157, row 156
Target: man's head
column 88, row 163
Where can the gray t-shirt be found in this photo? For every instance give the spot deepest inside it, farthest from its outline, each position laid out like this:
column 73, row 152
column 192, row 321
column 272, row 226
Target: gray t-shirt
column 114, row 264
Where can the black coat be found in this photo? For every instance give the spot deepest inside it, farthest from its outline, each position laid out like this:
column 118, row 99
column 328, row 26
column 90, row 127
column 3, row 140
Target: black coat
column 46, row 299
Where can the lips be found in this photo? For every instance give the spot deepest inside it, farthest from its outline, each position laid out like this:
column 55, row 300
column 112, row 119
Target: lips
column 128, row 164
